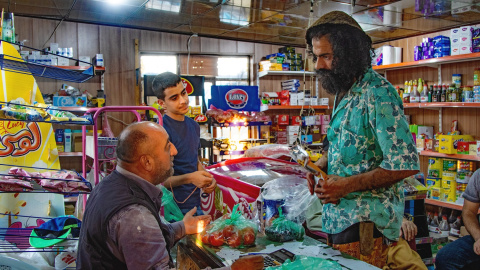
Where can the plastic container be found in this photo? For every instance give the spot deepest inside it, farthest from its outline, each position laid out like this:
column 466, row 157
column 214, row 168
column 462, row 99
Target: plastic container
column 444, row 227
column 8, row 30
column 457, row 80
column 476, row 77
column 68, row 140
column 433, row 226
column 455, row 228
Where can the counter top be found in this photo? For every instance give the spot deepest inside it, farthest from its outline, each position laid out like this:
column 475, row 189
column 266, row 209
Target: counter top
column 307, row 247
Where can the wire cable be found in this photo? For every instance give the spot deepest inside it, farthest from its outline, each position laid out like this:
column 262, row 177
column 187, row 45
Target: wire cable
column 63, row 18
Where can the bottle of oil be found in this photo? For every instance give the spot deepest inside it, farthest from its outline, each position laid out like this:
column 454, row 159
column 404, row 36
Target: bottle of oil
column 443, row 96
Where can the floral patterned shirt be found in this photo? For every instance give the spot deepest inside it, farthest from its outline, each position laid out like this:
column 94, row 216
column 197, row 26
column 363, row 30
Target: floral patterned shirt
column 368, row 130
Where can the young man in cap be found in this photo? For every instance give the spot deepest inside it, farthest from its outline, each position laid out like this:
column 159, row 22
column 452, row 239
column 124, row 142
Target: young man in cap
column 189, row 178
column 371, row 149
column 121, row 227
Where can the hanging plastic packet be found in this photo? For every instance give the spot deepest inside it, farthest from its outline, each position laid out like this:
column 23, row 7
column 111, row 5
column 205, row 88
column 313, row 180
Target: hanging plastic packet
column 283, row 230
column 171, row 212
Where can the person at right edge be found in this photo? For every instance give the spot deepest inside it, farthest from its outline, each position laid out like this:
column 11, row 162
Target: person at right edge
column 464, row 253
column 371, row 148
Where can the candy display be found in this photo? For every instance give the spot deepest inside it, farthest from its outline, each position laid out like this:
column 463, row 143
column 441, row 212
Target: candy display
column 222, row 116
column 232, row 229
column 17, row 110
column 63, row 181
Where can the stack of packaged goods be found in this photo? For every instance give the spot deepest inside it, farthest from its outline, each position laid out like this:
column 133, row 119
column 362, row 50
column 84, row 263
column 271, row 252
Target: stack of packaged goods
column 448, row 178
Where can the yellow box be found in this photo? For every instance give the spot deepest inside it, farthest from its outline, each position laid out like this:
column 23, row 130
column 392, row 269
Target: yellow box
column 436, row 193
column 420, row 144
column 448, row 143
column 276, row 66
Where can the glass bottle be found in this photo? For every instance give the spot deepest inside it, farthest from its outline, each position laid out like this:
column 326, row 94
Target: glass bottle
column 406, row 94
column 430, row 94
column 434, row 94
column 444, row 93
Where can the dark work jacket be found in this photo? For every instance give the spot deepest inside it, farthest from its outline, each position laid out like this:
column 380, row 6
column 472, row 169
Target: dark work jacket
column 110, row 196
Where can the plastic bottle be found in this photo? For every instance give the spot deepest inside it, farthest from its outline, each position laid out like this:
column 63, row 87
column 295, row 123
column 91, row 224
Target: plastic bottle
column 433, row 227
column 455, row 228
column 68, row 140
column 424, row 91
column 8, row 29
column 452, row 218
column 435, row 93
column 414, row 95
column 444, row 227
column 406, row 94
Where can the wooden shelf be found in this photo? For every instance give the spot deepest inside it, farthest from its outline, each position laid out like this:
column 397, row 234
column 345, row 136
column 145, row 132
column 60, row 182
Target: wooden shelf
column 454, row 156
column 432, row 62
column 69, row 154
column 442, row 105
column 288, row 107
column 280, row 73
column 446, row 204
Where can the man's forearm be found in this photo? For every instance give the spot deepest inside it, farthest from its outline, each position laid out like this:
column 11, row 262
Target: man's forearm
column 377, row 178
column 471, row 224
column 177, row 180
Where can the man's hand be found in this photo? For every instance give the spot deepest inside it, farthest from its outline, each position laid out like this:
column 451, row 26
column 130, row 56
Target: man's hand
column 409, row 230
column 476, row 247
column 201, row 179
column 194, row 225
column 250, row 262
column 332, row 189
column 210, row 188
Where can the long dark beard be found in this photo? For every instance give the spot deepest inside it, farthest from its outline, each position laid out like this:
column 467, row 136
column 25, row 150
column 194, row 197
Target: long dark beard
column 333, row 83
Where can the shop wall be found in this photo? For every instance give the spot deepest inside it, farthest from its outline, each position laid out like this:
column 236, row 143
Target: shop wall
column 117, row 46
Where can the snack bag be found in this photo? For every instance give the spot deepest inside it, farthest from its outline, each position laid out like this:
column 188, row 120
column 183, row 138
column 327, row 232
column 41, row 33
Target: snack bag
column 232, row 229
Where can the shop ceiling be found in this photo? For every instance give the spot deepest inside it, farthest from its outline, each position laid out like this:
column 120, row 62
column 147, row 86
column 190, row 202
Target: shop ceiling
column 265, row 21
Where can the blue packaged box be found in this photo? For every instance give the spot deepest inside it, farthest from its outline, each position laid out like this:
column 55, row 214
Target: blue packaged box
column 67, row 101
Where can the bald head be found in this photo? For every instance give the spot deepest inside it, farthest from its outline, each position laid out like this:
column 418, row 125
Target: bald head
column 136, row 139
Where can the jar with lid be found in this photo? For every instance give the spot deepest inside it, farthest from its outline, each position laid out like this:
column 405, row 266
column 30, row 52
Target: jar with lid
column 476, row 77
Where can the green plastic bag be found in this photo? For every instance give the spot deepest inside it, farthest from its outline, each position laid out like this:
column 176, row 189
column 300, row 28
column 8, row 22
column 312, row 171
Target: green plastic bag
column 307, row 263
column 171, row 212
column 283, row 230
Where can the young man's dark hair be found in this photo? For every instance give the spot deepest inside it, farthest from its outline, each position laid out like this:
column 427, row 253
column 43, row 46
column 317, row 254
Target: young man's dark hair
column 160, row 83
column 352, row 50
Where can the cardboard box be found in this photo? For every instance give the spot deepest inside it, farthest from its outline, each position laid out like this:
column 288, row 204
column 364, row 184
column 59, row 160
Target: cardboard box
column 296, row 120
column 66, row 101
column 62, row 61
column 464, row 147
column 324, row 129
column 77, row 140
column 323, row 101
column 84, row 59
column 318, row 119
column 282, row 119
column 420, row 144
column 98, row 61
column 429, row 144
column 472, row 149
column 307, row 139
column 427, row 130
column 293, row 128
column 325, row 119
column 449, row 143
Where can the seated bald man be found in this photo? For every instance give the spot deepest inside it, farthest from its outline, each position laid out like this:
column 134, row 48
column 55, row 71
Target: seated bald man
column 121, row 227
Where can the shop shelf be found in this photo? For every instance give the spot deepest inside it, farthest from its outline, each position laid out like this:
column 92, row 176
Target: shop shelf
column 97, row 70
column 446, row 204
column 442, row 105
column 432, row 62
column 288, row 107
column 75, row 109
column 289, row 73
column 18, row 65
column 70, row 154
column 454, row 156
column 242, row 124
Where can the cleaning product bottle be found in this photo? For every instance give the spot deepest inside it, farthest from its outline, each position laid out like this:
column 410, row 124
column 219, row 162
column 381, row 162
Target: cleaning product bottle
column 444, row 227
column 8, row 29
column 433, row 227
column 455, row 228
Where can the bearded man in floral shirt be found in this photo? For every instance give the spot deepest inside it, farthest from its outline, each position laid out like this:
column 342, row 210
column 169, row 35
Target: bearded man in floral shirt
column 371, row 148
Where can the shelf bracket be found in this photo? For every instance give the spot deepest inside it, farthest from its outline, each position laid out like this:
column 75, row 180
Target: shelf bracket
column 439, row 74
column 440, row 111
